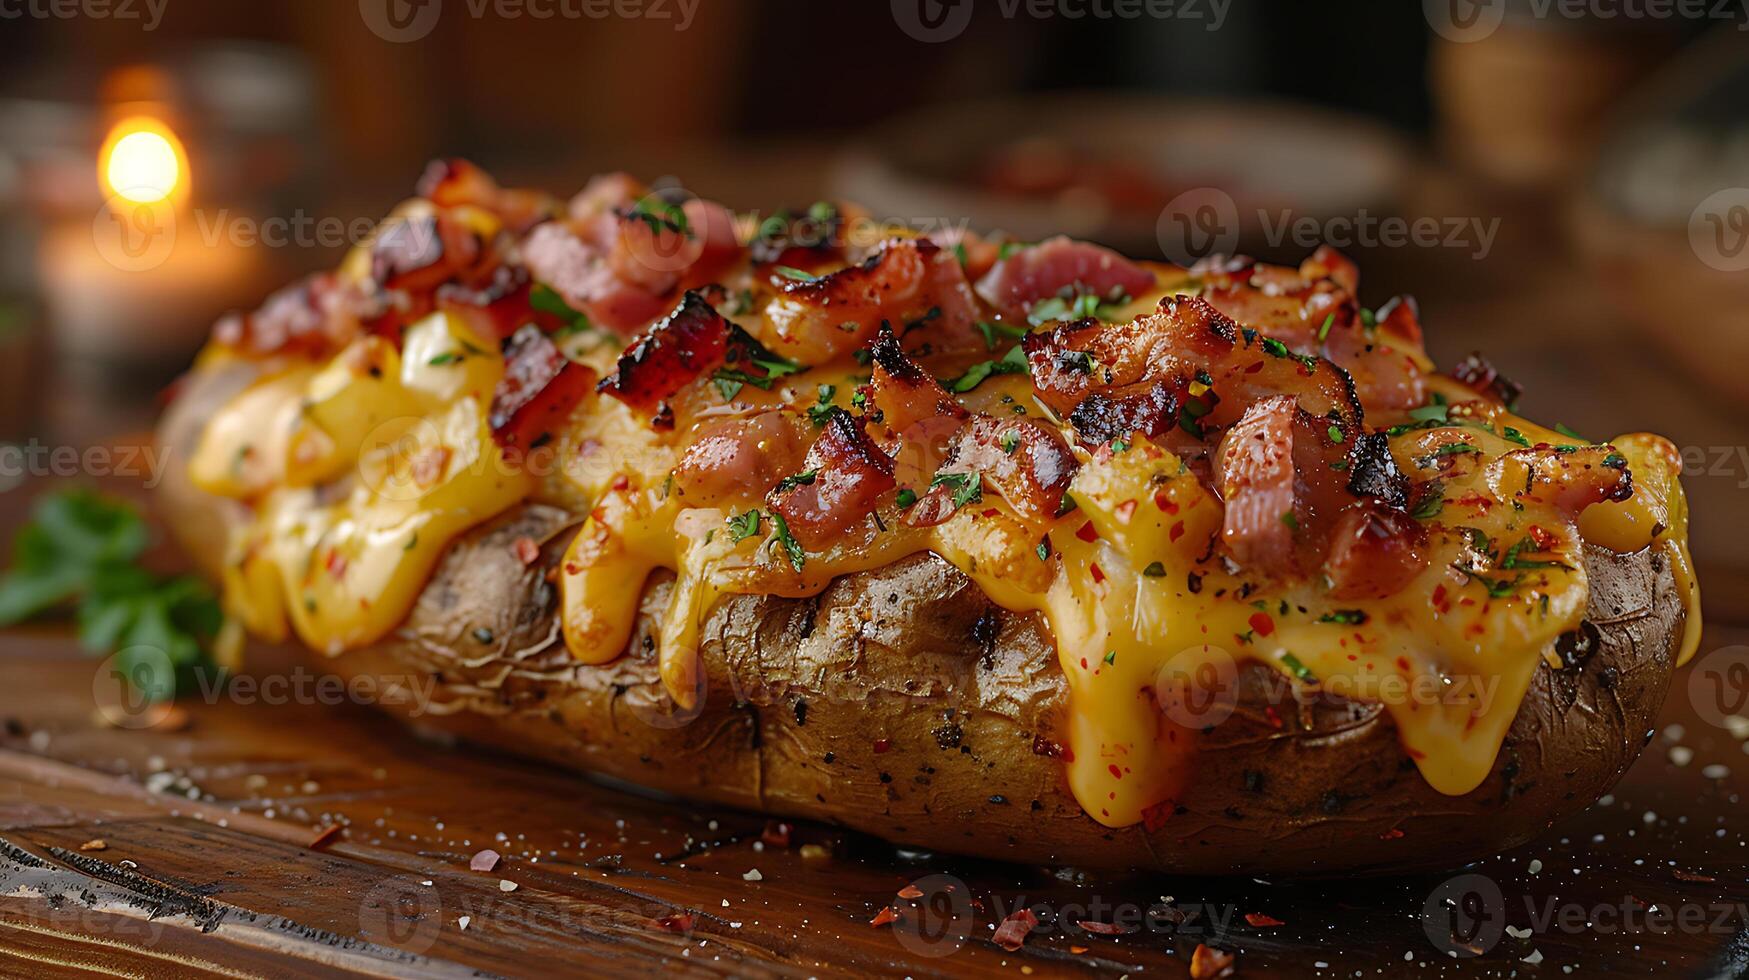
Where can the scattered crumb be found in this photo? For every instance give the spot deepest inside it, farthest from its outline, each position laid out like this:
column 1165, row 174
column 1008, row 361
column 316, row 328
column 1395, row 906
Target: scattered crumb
column 506, row 885
column 95, row 844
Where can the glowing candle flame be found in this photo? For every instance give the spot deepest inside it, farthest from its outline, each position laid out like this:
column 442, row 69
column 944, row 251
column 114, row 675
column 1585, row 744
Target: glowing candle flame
column 143, row 161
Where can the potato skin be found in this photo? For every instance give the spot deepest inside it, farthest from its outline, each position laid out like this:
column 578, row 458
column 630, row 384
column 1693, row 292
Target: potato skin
column 901, row 702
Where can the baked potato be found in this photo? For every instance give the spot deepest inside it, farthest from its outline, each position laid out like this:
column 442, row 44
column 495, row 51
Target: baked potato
column 689, row 566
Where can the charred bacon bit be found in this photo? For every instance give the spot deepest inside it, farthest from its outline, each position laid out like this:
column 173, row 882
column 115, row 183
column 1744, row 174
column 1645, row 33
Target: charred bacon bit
column 1374, row 552
column 1194, row 349
column 908, row 282
column 740, row 459
column 1373, row 472
column 1154, row 410
column 670, row 355
column 455, row 182
column 315, row 316
column 1255, row 468
column 1208, row 963
column 1479, row 374
column 418, row 253
column 901, row 392
column 539, row 389
column 1044, row 270
column 846, row 474
column 499, row 307
column 1027, row 463
column 1012, row 933
column 1570, row 479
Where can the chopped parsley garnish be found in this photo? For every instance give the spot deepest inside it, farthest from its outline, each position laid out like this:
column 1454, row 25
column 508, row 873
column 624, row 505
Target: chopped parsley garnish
column 1569, row 433
column 1154, row 570
column 821, row 410
column 781, row 537
column 447, row 357
column 1335, row 433
column 1111, row 656
column 743, row 526
column 1013, row 362
column 1324, row 330
column 1292, row 522
column 791, row 272
column 1513, row 435
column 1044, row 550
column 1010, row 441
column 1299, row 670
column 1497, row 588
column 1511, row 559
column 661, row 216
column 991, row 330
column 1453, row 449
column 907, row 497
column 546, row 300
column 798, row 480
column 1368, row 318
column 1432, row 501
column 1345, row 617
column 968, row 488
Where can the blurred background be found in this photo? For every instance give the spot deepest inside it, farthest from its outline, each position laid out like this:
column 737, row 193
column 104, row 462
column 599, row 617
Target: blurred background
column 1562, row 185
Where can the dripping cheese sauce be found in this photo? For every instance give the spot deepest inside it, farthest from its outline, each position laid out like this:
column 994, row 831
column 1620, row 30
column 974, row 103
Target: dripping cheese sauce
column 363, row 467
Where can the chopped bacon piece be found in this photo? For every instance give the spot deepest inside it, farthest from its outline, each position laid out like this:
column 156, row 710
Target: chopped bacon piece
column 1374, row 552
column 1479, row 374
column 1102, row 928
column 907, row 282
column 1026, row 462
column 418, row 253
column 846, row 473
column 690, row 342
column 1373, row 472
column 314, row 316
column 1011, row 934
column 578, row 271
column 1255, row 466
column 1145, row 373
column 455, row 182
column 681, row 922
column 1328, row 263
column 539, row 389
column 497, row 308
column 1055, row 264
column 1208, row 963
column 886, row 916
column 901, row 392
column 1257, row 920
column 740, row 459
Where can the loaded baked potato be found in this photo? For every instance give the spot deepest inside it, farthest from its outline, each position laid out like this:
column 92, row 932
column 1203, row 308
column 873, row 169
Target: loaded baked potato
column 1020, row 550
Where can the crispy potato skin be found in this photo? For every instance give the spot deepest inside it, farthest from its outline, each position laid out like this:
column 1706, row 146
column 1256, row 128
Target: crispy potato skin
column 901, row 702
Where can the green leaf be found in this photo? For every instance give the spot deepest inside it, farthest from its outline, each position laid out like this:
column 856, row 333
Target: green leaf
column 1013, row 362
column 780, row 535
column 743, row 526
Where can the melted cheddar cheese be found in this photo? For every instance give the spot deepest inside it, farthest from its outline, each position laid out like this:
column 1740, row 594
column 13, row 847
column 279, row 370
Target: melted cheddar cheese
column 363, row 468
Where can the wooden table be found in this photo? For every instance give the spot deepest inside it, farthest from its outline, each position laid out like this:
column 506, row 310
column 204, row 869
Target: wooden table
column 192, row 851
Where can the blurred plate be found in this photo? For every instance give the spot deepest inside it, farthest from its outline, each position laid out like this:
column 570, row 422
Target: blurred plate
column 1104, row 167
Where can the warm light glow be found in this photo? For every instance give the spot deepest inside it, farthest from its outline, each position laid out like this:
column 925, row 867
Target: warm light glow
column 142, row 161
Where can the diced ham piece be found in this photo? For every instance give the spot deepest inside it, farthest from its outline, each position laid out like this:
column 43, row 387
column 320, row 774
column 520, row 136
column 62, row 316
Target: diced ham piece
column 1374, row 552
column 845, row 475
column 1255, row 468
column 740, row 459
column 1027, row 463
column 1044, row 270
column 455, row 182
column 539, row 389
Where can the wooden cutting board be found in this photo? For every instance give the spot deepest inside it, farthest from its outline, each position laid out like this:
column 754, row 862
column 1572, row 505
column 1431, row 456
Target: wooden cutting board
column 192, row 850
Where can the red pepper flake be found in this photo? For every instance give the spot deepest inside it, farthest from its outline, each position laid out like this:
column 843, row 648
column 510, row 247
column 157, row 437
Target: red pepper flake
column 910, row 891
column 620, row 482
column 1543, row 539
column 1102, row 928
column 681, row 922
column 327, row 836
column 1098, row 575
column 885, row 917
column 1176, row 531
column 1258, row 920
column 1116, row 773
column 1154, row 817
column 525, row 550
column 1273, row 716
column 1050, row 749
column 881, row 745
column 1207, row 963
column 486, row 860
column 1011, row 934
column 775, row 834
column 1125, row 510
column 335, row 563
column 1392, row 834
column 1165, row 503
column 1077, row 950
column 1261, row 622
column 1088, row 533
column 1682, row 875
